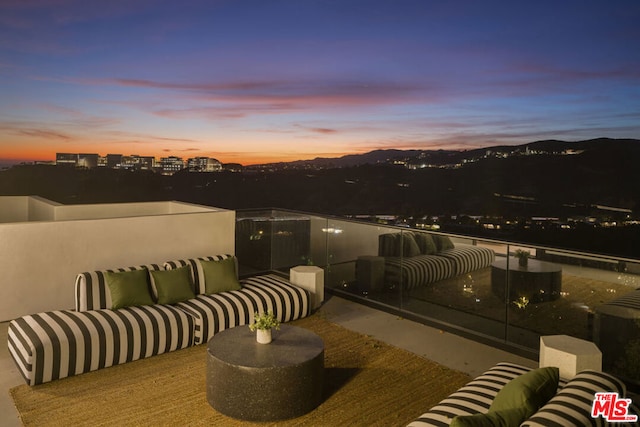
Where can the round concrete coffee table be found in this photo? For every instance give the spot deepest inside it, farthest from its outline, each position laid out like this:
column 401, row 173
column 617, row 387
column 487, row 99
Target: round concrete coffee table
column 265, row 382
column 538, row 280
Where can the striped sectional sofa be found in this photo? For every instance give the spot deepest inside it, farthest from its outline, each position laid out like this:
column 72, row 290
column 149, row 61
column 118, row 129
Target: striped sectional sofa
column 417, row 259
column 571, row 406
column 57, row 344
column 616, row 330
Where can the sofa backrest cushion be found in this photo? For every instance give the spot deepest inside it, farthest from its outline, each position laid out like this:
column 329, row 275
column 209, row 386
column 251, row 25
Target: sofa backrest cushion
column 197, row 272
column 388, row 245
column 92, row 292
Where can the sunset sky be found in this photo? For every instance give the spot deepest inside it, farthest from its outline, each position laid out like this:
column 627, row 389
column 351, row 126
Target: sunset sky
column 277, row 80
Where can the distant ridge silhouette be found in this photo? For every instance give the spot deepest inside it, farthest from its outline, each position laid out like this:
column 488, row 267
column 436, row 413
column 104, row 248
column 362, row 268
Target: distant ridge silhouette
column 442, row 156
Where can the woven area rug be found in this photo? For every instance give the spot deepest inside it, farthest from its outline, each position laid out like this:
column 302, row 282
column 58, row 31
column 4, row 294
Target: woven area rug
column 367, row 383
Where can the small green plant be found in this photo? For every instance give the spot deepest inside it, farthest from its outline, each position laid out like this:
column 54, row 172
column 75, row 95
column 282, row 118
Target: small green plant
column 521, row 302
column 521, row 254
column 265, row 321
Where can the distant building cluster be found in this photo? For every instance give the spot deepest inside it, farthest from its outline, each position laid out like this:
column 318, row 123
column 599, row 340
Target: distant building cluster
column 165, row 165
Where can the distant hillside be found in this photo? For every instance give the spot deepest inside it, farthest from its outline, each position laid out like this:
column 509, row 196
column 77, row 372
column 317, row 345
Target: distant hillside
column 600, row 181
column 453, row 156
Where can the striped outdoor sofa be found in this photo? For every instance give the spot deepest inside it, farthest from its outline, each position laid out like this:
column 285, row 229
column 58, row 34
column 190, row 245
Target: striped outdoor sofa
column 217, row 312
column 571, row 406
column 58, row 344
column 616, row 330
column 412, row 265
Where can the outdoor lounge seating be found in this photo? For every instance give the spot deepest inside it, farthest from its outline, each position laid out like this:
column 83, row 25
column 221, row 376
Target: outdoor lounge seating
column 568, row 402
column 616, row 330
column 418, row 259
column 99, row 333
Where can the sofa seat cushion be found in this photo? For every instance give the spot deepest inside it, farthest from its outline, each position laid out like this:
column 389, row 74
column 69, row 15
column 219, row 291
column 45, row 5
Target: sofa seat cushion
column 58, row 344
column 467, row 258
column 417, row 271
column 220, row 311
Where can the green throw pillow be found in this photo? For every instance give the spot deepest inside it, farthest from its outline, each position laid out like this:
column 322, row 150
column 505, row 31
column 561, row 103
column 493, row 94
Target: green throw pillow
column 409, row 246
column 426, row 244
column 528, row 391
column 506, row 418
column 220, row 276
column 174, row 285
column 128, row 288
column 443, row 242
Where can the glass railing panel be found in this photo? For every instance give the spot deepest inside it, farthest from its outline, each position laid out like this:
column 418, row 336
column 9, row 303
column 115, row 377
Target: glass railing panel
column 559, row 295
column 484, row 291
column 275, row 240
column 254, row 230
column 453, row 286
column 355, row 266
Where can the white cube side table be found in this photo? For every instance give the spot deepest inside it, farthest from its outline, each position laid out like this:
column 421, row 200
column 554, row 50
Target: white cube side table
column 310, row 278
column 571, row 355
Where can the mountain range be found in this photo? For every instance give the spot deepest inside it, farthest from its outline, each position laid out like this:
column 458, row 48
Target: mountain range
column 383, row 156
column 552, row 179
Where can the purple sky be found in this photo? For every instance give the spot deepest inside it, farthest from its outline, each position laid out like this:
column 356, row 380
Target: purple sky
column 268, row 80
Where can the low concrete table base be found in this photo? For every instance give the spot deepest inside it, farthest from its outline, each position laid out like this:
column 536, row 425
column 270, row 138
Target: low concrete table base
column 265, row 382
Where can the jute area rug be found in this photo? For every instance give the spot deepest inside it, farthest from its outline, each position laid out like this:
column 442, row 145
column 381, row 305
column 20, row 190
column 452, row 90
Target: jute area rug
column 367, row 383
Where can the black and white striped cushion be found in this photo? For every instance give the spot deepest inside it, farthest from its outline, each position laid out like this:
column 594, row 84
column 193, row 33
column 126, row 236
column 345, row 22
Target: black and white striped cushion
column 572, row 405
column 197, row 273
column 91, row 291
column 58, row 344
column 418, row 270
column 473, row 398
column 468, row 258
column 217, row 312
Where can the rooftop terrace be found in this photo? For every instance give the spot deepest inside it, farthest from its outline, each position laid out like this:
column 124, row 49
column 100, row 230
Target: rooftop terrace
column 489, row 306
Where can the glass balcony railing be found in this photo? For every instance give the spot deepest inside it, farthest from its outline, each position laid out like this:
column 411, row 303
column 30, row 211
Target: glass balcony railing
column 476, row 287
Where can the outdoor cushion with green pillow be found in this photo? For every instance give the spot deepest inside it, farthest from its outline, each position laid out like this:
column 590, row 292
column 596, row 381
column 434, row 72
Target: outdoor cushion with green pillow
column 220, row 276
column 409, row 246
column 505, row 418
column 425, row 243
column 443, row 242
column 174, row 285
column 517, row 400
column 128, row 288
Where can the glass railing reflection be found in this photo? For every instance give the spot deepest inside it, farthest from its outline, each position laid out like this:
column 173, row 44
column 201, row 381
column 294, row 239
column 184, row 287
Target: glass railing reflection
column 502, row 291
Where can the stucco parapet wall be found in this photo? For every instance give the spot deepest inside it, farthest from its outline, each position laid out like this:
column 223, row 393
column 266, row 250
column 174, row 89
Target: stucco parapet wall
column 44, row 245
column 34, row 208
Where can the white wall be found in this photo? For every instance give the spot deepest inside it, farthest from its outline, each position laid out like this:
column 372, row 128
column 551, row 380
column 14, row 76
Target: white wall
column 41, row 209
column 111, row 210
column 40, row 260
column 14, row 208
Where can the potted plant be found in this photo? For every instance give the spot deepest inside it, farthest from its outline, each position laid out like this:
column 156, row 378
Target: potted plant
column 523, row 257
column 263, row 323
